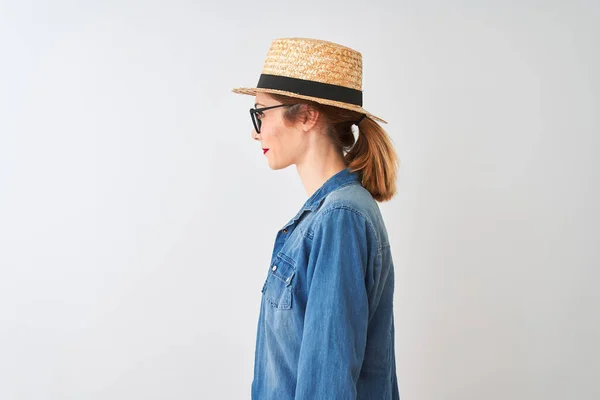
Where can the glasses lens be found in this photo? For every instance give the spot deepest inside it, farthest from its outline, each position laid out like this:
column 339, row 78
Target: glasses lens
column 255, row 120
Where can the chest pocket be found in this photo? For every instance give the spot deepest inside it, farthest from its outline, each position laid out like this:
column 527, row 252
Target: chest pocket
column 277, row 289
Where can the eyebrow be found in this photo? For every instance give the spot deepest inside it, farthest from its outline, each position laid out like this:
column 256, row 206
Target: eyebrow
column 258, row 104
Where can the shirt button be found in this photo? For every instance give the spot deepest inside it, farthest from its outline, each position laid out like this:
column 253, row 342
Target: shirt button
column 284, row 231
column 274, row 267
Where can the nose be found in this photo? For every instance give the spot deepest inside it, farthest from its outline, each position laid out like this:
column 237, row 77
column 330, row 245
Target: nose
column 254, row 135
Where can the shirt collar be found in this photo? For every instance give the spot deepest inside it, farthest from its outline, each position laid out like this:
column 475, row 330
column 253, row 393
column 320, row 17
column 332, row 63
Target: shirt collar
column 342, row 178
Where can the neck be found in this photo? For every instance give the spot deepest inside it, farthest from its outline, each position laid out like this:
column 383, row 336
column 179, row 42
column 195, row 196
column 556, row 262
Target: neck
column 319, row 164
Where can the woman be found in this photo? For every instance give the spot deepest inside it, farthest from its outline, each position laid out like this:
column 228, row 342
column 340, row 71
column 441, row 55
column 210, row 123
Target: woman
column 326, row 323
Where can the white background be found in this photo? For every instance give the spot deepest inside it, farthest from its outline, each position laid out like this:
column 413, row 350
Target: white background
column 137, row 216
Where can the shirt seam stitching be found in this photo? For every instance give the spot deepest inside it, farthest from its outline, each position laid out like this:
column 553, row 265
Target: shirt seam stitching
column 309, row 233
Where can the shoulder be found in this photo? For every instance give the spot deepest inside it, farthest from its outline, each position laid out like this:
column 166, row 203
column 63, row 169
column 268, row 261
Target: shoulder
column 353, row 197
column 351, row 205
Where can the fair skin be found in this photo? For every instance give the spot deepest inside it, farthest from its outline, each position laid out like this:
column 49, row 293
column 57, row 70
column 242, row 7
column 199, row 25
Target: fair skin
column 304, row 144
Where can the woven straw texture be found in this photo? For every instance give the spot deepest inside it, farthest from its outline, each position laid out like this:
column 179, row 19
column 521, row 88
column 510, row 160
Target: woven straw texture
column 315, row 60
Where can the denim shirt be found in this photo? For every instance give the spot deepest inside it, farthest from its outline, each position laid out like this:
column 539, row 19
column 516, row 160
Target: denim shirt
column 326, row 323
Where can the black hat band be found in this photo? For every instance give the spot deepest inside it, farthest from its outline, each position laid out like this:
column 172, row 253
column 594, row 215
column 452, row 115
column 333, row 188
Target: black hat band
column 311, row 88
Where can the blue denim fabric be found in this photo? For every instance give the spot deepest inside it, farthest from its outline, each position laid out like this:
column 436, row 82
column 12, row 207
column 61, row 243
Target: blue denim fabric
column 326, row 323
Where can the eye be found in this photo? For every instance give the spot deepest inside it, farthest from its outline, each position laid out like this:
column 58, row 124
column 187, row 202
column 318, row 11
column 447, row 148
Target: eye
column 260, row 115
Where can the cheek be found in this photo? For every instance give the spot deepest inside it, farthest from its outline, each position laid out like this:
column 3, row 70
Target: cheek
column 294, row 141
column 270, row 136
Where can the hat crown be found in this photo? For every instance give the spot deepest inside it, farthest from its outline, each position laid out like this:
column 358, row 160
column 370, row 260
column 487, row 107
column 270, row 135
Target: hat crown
column 315, row 60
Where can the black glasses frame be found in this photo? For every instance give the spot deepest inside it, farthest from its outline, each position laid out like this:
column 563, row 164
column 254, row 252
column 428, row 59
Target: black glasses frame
column 255, row 113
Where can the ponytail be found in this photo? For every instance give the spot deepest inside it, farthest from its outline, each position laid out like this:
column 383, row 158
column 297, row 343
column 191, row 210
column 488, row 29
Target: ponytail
column 374, row 156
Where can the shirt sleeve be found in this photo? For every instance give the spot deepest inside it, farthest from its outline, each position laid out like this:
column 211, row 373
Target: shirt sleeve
column 337, row 310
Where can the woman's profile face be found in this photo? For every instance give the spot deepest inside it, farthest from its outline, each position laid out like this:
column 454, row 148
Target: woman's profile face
column 284, row 142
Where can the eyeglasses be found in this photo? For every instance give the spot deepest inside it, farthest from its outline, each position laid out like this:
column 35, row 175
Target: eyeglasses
column 257, row 113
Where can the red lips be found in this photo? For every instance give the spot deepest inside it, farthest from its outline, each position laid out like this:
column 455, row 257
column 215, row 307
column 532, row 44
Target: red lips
column 265, row 150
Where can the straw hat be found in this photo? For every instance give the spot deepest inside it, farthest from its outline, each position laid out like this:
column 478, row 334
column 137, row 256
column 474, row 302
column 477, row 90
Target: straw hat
column 311, row 69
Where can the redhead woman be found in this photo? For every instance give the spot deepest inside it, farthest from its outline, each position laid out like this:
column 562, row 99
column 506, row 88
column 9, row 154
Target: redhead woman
column 326, row 322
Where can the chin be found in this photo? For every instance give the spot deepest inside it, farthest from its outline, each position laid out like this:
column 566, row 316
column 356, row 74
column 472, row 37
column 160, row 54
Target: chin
column 276, row 167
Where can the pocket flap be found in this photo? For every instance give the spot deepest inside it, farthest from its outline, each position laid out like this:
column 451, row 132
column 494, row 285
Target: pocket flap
column 283, row 269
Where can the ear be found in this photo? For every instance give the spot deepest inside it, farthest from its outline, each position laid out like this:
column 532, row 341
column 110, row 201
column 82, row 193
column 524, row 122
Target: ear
column 309, row 117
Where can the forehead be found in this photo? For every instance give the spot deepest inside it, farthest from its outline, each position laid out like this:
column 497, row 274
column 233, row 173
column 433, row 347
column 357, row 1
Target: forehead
column 263, row 98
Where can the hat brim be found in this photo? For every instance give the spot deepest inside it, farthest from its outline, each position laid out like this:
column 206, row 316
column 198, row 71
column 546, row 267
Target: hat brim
column 352, row 107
